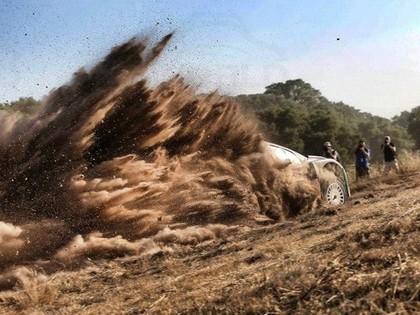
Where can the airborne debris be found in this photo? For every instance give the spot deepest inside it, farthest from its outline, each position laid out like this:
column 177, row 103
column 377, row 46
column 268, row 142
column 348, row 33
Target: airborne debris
column 110, row 167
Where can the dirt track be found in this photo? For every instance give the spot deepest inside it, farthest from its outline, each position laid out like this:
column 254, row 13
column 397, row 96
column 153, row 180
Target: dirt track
column 361, row 257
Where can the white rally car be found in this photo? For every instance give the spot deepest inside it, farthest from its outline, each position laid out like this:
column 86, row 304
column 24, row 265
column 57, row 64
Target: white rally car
column 331, row 174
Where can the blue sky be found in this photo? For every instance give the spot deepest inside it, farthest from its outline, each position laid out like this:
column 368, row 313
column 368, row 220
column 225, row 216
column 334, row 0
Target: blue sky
column 364, row 53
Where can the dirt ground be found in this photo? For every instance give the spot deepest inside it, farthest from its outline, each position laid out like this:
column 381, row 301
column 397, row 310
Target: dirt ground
column 360, row 258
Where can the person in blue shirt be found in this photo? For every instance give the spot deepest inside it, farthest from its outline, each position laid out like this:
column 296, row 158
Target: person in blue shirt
column 362, row 155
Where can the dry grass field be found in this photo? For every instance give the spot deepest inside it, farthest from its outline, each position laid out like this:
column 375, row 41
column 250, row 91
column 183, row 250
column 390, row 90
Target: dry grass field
column 361, row 258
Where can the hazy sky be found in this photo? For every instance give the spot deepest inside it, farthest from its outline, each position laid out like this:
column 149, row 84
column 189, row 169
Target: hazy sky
column 364, row 53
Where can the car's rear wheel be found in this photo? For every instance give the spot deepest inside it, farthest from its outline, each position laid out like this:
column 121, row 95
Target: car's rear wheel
column 334, row 192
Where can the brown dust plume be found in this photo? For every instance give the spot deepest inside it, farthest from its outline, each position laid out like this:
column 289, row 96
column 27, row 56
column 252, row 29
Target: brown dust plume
column 110, row 166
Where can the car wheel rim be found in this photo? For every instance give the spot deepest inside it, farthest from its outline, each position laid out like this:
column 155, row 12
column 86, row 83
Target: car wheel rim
column 335, row 194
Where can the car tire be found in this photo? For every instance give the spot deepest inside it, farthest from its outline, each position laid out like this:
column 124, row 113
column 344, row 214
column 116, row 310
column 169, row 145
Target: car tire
column 334, row 192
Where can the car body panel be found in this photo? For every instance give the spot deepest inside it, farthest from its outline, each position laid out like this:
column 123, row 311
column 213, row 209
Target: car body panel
column 320, row 162
column 317, row 163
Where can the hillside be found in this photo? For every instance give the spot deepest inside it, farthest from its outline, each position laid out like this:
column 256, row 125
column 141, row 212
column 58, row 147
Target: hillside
column 296, row 115
column 361, row 257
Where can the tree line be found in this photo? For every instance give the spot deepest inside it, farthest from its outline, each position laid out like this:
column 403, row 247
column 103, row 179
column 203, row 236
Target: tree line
column 296, row 115
column 27, row 106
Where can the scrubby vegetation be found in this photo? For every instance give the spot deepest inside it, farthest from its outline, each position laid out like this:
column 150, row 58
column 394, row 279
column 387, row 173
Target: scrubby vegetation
column 25, row 105
column 296, row 115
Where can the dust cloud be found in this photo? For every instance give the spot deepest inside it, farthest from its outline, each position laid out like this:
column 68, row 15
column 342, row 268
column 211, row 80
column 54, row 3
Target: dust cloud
column 110, row 166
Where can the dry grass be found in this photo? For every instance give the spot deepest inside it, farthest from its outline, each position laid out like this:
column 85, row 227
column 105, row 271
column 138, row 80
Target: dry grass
column 409, row 163
column 361, row 258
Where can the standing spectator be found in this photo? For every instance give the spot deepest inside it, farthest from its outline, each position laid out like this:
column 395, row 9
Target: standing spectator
column 362, row 154
column 390, row 151
column 330, row 152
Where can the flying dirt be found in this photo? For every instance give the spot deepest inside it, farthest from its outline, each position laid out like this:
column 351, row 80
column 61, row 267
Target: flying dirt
column 110, row 166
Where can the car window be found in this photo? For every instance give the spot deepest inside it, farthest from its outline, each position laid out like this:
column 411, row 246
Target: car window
column 287, row 154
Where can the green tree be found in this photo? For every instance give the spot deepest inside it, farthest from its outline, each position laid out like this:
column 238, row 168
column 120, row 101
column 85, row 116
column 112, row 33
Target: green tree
column 322, row 126
column 344, row 142
column 402, row 119
column 286, row 124
column 293, row 112
column 414, row 126
column 295, row 90
column 25, row 105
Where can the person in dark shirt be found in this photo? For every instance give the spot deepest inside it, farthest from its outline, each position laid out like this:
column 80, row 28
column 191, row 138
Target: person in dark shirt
column 362, row 155
column 330, row 152
column 390, row 151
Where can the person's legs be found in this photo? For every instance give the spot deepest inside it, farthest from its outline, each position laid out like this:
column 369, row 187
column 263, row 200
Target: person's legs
column 387, row 168
column 358, row 173
column 362, row 173
column 393, row 165
column 396, row 166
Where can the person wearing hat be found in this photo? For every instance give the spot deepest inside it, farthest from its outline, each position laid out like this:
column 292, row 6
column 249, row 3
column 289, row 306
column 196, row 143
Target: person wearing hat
column 331, row 153
column 390, row 152
column 362, row 154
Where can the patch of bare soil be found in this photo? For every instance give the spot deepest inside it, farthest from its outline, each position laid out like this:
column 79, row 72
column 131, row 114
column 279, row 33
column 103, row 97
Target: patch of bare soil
column 362, row 257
